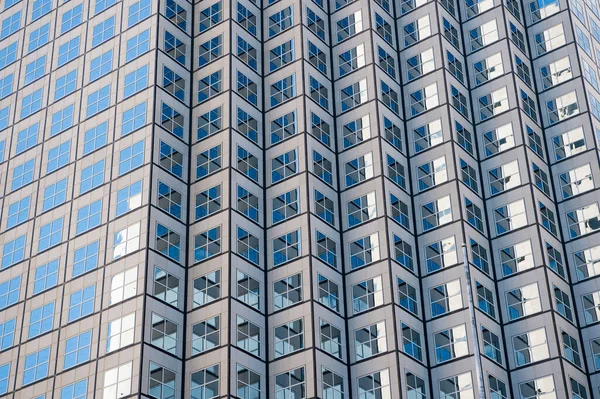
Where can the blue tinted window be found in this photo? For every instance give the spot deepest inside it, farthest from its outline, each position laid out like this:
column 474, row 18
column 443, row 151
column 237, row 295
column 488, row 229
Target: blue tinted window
column 18, row 212
column 102, row 5
column 31, row 103
column 7, row 334
column 71, row 18
column 134, row 118
column 86, row 258
column 8, row 55
column 89, row 216
column 9, row 292
column 78, row 349
column 68, row 51
column 81, row 303
column 101, row 65
column 23, row 174
column 92, row 177
column 27, row 138
column 6, row 85
column 76, row 390
column 129, row 198
column 58, row 156
column 62, row 120
column 137, row 45
column 98, row 101
column 95, row 138
column 65, row 85
column 41, row 8
column 103, row 31
column 136, row 81
column 41, row 320
column 4, row 374
column 10, row 25
column 35, row 69
column 46, row 276
column 55, row 194
column 131, row 157
column 36, row 366
column 50, row 234
column 138, row 11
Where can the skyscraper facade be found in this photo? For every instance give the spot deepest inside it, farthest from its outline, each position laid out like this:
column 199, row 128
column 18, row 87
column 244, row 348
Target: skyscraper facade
column 270, row 199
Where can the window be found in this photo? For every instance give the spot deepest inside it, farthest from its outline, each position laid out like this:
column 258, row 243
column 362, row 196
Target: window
column 516, row 258
column 286, row 248
column 248, row 246
column 9, row 292
column 31, row 103
column 162, row 381
column 172, row 160
column 285, row 206
column 498, row 140
column 50, row 234
column 210, row 16
column 326, row 249
column 169, row 200
column 123, row 285
column 46, row 276
column 322, row 168
column 415, row 386
column 578, row 390
column 98, row 101
column 320, row 129
column 428, row 135
column 517, row 37
column 246, row 18
column 317, row 57
column 333, row 384
column 328, row 293
column 245, row 52
column 331, row 341
column 207, row 244
column 248, row 383
column 423, row 99
column 457, row 386
column 459, row 101
column 78, row 349
column 280, row 21
column 353, row 95
column 356, row 131
column 13, row 252
column 576, row 181
column 523, row 301
column 248, row 290
column 403, row 253
column 126, row 241
column 247, row 203
column 208, row 202
column 168, row 242
column 483, row 35
column 549, row 39
column 165, row 286
column 281, row 55
column 175, row 48
column 287, row 291
column 207, row 288
column 530, row 347
column 284, row 166
column 18, row 212
column 248, row 163
column 351, row 60
column 41, row 320
column 247, row 89
column 451, row 33
column 283, row 127
column 247, row 125
column 432, row 173
column 441, row 254
column 318, row 92
column 71, row 18
column 173, row 83
column 248, row 336
column 436, row 213
column 548, row 220
column 541, row 9
column 176, row 14
column 556, row 72
column 445, row 298
column 138, row 11
column 36, row 366
column 103, row 31
column 587, row 263
column 164, row 333
column 131, row 157
column 55, row 194
column 374, row 385
column 370, row 340
column 562, row 107
column 120, row 332
column 206, row 335
column 504, row 177
column 451, row 344
column 81, row 303
column 568, row 144
column 571, row 349
column 129, row 198
column 479, row 256
column 136, row 81
column 364, row 251
column 362, row 209
column 209, row 86
column 538, row 388
column 493, row 104
column 102, row 65
column 117, row 381
column 534, row 141
column 581, row 221
column 367, row 294
column 283, row 90
column 417, row 30
column 35, row 70
column 291, row 384
column 324, row 207
column 89, row 217
column 420, row 64
column 485, row 300
column 510, row 217
column 399, row 211
column 289, row 338
column 138, row 45
column 491, row 345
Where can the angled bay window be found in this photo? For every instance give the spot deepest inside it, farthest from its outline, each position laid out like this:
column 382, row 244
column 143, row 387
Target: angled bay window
column 423, row 99
column 436, row 213
column 247, row 163
column 286, row 248
column 493, row 104
column 320, row 129
column 364, row 251
column 246, row 19
column 349, row 26
column 451, row 343
column 417, row 30
column 287, row 291
column 510, row 217
column 207, row 288
column 403, row 253
column 362, row 209
column 289, row 338
column 283, row 90
column 359, row 169
column 576, row 181
column 498, row 140
column 210, row 50
column 523, row 301
column 247, row 125
column 407, row 296
column 324, row 207
column 172, row 120
column 549, row 39
column 530, row 347
column 420, row 64
column 356, row 131
column 483, row 35
column 367, row 294
column 516, row 258
column 280, row 21
column 248, row 246
column 562, row 107
column 370, row 340
column 284, row 166
column 318, row 92
column 281, row 55
column 329, row 293
column 396, row 172
column 322, row 168
column 393, row 134
column 326, row 249
column 317, row 57
column 432, row 173
column 491, row 345
column 248, row 290
column 583, row 220
column 247, row 203
column 459, row 101
column 353, row 95
column 286, row 205
column 441, row 254
column 504, row 177
column 386, row 62
column 428, row 135
column 247, row 53
column 445, row 298
column 247, row 88
column 315, row 23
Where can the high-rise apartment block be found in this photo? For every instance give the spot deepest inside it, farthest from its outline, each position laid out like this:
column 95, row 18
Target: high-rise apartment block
column 268, row 199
